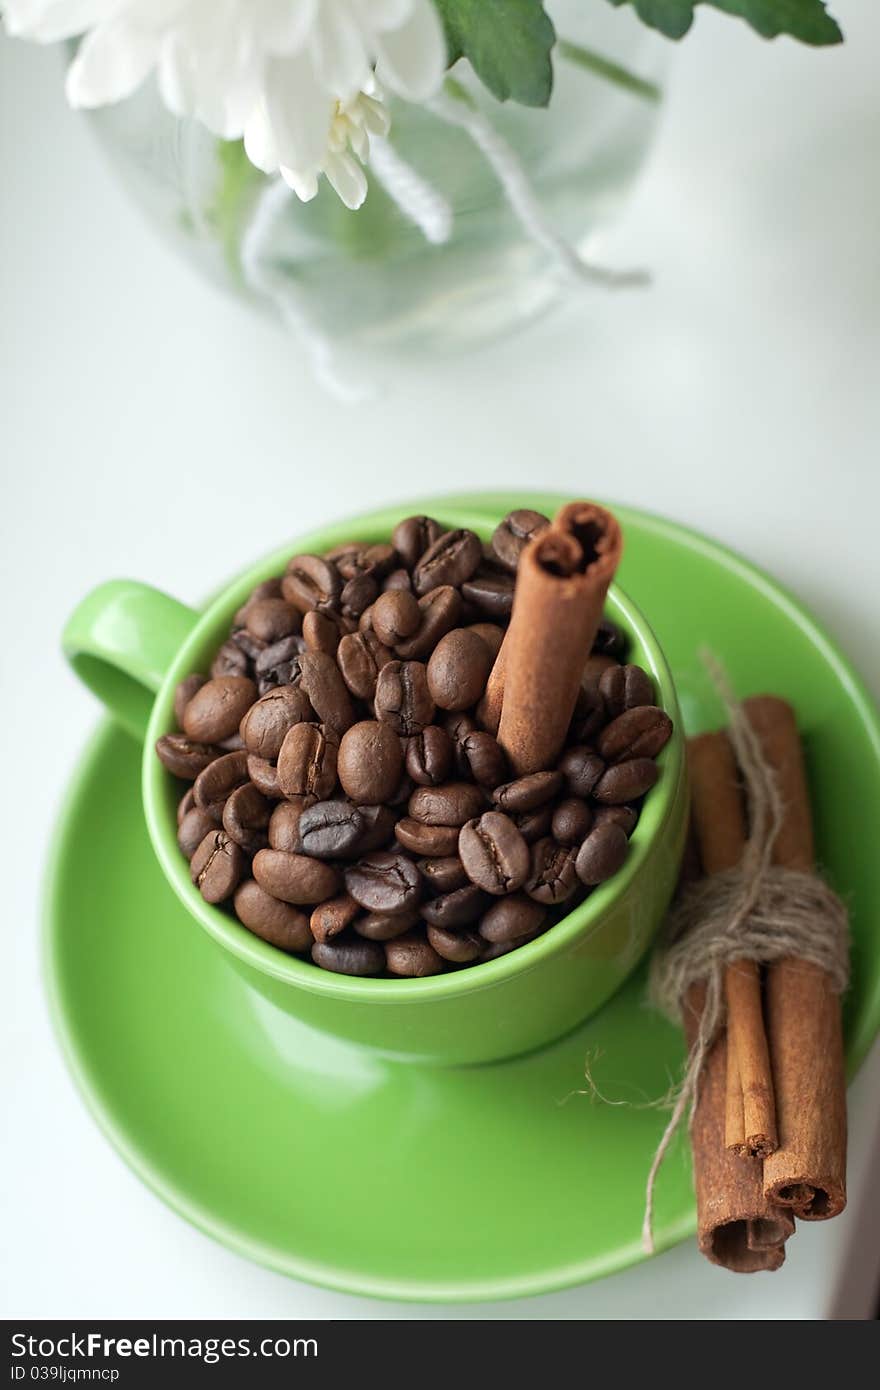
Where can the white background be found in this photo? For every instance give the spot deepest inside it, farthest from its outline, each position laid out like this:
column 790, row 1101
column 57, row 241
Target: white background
column 740, row 395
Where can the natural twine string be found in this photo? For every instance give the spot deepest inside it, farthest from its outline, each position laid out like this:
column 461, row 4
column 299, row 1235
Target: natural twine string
column 756, row 911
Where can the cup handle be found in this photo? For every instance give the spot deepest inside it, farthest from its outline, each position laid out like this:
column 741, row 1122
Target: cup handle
column 120, row 641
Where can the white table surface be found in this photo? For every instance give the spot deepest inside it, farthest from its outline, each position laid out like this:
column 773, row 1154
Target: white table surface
column 739, row 395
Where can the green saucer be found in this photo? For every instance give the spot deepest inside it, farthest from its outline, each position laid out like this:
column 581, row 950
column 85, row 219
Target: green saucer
column 335, row 1166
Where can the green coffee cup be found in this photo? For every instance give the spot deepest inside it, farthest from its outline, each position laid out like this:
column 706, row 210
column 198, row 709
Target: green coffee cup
column 132, row 644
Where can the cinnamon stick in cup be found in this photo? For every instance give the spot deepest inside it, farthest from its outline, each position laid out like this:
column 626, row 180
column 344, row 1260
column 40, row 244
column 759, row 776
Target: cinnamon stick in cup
column 562, row 580
column 808, row 1170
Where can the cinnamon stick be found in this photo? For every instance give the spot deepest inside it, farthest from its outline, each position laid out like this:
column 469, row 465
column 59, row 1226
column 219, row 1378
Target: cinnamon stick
column 807, row 1173
column 562, row 580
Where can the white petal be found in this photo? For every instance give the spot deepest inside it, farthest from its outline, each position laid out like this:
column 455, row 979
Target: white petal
column 305, row 186
column 49, row 20
column 348, row 178
column 299, row 111
column 283, row 28
column 341, row 55
column 412, row 58
column 111, row 62
column 259, row 143
column 382, row 14
column 176, row 76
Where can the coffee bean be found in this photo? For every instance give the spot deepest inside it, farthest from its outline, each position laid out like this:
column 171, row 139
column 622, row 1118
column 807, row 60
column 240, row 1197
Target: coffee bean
column 196, row 824
column 217, row 708
column 589, row 716
column 625, row 816
column 494, row 854
column 184, row 692
column 626, row 781
column 185, row 805
column 637, row 733
column 270, row 619
column 403, row 699
column 528, row 792
column 332, row 917
column 272, row 920
column 610, row 639
column 429, row 756
column 379, row 822
column 490, row 594
column 311, row 582
column 512, row 919
column 492, row 635
column 270, row 588
column 395, row 616
column 511, row 537
column 307, row 761
column 452, row 803
column 452, row 559
column 581, row 768
column 326, row 690
column 552, row 878
column 383, row 926
column 534, row 825
column 360, row 657
column 233, row 744
column 295, row 878
column 625, row 687
column 267, row 722
column 284, row 823
column 347, row 558
column 329, row 830
column 279, row 664
column 443, row 875
column 482, row 758
column 397, row 579
column 458, row 726
column 183, row 757
column 458, row 947
column 358, row 593
column 246, row 816
column 219, row 780
column 594, row 668
column 601, row 854
column 456, row 909
column 217, row 866
column 384, row 882
column 441, row 611
column 571, row 821
column 379, row 559
column 429, row 840
column 412, row 956
column 349, row 956
column 370, row 762
column 413, row 536
column 229, row 661
column 264, row 776
column 321, row 632
column 458, row 669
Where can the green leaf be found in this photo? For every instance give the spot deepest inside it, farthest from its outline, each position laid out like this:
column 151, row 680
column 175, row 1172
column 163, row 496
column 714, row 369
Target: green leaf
column 807, row 20
column 508, row 43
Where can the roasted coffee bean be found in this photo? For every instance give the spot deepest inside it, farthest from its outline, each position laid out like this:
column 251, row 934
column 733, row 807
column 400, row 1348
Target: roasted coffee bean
column 395, row 616
column 219, row 780
column 490, row 594
column 264, row 775
column 428, row 840
column 404, row 790
column 330, row 830
column 229, row 661
column 328, row 696
column 378, row 828
column 397, row 579
column 492, row 635
column 358, row 593
column 625, row 687
column 458, row 669
column 512, row 919
column 191, row 831
column 610, row 639
column 360, row 657
column 270, row 588
column 456, row 909
column 494, row 854
column 184, row 692
column 185, row 805
column 379, row 559
column 441, row 612
column 429, row 756
column 284, row 823
column 270, row 619
column 443, row 875
column 601, row 854
column 267, row 722
column 246, row 816
column 370, row 762
column 347, row 557
column 528, row 792
column 452, row 803
column 637, row 733
column 272, row 920
column 626, row 781
column 307, row 761
column 511, row 537
column 452, row 559
column 279, row 664
column 458, row 726
column 183, row 757
column 552, row 878
column 403, row 699
column 589, row 716
column 250, row 645
column 534, row 825
column 413, row 536
column 627, row 817
column 332, row 917
column 581, row 768
column 571, row 821
column 321, row 632
column 295, row 878
column 382, row 926
column 594, row 668
column 349, row 956
column 481, row 757
column 412, row 956
column 233, row 744
column 461, row 948
column 217, row 866
column 384, row 882
column 217, row 708
column 311, row 582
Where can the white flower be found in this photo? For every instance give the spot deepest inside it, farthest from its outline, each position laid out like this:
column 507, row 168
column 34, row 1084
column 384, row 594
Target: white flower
column 295, row 78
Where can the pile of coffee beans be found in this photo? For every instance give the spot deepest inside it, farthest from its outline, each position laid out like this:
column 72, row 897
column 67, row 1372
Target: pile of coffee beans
column 344, row 798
